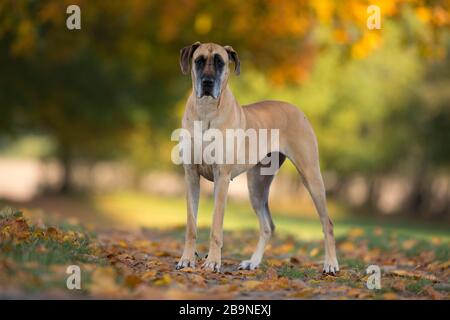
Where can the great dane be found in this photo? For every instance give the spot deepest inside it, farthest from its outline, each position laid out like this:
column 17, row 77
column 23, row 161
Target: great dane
column 212, row 104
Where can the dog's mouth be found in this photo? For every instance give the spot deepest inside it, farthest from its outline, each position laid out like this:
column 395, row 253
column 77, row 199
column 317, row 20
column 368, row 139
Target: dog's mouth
column 208, row 87
column 208, row 92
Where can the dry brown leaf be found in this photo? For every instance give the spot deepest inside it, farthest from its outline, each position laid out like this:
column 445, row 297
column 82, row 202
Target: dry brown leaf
column 132, row 281
column 271, row 273
column 399, row 285
column 303, row 293
column 414, row 274
column 149, row 274
column 104, row 282
column 197, row 280
column 434, row 294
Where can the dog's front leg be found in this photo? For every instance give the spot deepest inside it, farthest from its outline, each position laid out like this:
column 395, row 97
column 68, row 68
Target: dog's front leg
column 221, row 183
column 192, row 180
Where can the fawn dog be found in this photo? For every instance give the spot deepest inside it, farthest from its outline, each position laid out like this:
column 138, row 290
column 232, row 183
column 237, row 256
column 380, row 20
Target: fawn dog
column 213, row 104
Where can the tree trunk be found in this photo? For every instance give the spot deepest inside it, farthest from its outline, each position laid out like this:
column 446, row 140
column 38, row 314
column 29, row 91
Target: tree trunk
column 66, row 163
column 416, row 203
column 373, row 194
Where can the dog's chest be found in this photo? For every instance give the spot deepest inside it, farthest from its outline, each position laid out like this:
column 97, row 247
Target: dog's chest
column 206, row 171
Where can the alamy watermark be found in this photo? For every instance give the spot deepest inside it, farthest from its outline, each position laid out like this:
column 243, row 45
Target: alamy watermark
column 73, row 21
column 231, row 146
column 74, row 279
column 374, row 19
column 374, row 280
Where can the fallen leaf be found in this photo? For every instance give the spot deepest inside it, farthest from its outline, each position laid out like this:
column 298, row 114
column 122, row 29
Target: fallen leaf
column 132, row 281
column 390, row 296
column 163, row 281
column 314, row 252
column 271, row 273
column 251, row 284
column 434, row 294
column 414, row 274
column 409, row 244
column 356, row 233
column 347, row 246
column 104, row 282
column 149, row 274
column 197, row 280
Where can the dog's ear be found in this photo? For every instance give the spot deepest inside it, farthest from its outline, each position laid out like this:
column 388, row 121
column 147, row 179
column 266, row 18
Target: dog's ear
column 232, row 55
column 186, row 56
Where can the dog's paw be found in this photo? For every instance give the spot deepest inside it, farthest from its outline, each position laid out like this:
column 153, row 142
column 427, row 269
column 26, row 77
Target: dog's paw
column 211, row 265
column 248, row 265
column 330, row 266
column 185, row 263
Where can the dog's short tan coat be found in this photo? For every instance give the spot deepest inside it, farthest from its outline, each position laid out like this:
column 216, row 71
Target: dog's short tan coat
column 297, row 141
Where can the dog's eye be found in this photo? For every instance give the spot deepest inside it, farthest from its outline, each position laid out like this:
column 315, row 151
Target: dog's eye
column 200, row 61
column 218, row 61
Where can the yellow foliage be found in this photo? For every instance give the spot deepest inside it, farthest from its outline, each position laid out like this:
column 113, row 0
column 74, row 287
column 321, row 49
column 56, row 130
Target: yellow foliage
column 370, row 41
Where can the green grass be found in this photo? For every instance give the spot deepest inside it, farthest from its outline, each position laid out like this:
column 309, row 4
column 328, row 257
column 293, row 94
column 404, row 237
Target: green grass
column 293, row 272
column 417, row 286
column 39, row 260
column 47, row 251
column 354, row 264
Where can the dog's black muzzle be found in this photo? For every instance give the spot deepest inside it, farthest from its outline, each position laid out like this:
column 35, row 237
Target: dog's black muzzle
column 207, row 86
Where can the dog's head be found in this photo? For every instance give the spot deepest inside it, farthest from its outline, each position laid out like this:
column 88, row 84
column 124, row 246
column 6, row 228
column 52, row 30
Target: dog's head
column 210, row 67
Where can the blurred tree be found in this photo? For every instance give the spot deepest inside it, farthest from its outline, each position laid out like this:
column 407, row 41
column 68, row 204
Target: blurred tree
column 113, row 86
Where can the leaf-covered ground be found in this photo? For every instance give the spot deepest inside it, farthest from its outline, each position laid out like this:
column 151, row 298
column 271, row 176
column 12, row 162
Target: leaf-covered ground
column 141, row 264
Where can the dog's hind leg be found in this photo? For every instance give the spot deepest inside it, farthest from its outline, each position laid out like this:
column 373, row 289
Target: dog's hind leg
column 304, row 155
column 258, row 187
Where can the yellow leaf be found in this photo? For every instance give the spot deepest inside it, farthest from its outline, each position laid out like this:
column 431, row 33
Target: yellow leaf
column 122, row 244
column 390, row 296
column 436, row 241
column 347, row 246
column 165, row 280
column 409, row 244
column 104, row 282
column 303, row 293
column 415, row 275
column 314, row 252
column 251, row 284
column 274, row 262
column 162, row 254
column 149, row 274
column 356, row 232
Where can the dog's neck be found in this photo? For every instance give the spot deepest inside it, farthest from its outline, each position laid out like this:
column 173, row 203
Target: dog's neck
column 207, row 108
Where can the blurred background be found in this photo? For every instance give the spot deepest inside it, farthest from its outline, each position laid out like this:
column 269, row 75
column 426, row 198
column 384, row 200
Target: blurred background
column 86, row 115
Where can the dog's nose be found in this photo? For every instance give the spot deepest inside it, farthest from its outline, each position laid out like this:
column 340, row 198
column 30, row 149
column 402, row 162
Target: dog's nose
column 207, row 82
